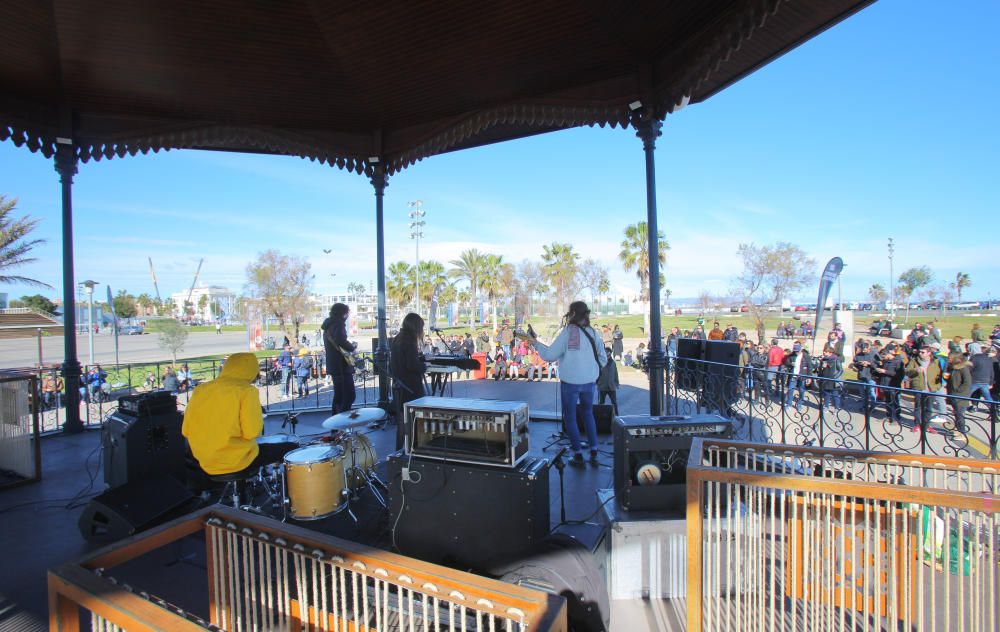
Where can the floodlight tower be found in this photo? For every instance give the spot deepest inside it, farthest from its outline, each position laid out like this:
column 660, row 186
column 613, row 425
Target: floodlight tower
column 892, row 290
column 88, row 287
column 416, row 232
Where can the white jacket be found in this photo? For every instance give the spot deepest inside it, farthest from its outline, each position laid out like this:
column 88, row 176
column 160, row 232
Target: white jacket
column 575, row 355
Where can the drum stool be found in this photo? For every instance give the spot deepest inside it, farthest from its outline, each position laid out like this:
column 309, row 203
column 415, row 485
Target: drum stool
column 235, row 483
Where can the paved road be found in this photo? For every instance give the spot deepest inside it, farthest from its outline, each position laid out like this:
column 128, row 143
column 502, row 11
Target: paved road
column 24, row 351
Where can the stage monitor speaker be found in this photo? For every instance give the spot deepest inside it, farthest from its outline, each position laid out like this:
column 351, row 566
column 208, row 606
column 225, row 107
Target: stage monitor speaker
column 689, row 375
column 722, row 373
column 603, row 415
column 143, row 444
column 134, row 507
column 466, row 514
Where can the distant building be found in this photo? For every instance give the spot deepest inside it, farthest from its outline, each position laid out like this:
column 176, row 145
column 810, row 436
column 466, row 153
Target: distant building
column 365, row 306
column 219, row 302
column 3, row 300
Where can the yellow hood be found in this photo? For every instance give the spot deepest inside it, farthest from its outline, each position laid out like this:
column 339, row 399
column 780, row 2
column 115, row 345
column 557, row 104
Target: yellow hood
column 241, row 366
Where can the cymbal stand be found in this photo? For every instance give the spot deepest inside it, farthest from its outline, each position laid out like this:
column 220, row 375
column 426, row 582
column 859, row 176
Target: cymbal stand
column 368, row 477
column 291, row 419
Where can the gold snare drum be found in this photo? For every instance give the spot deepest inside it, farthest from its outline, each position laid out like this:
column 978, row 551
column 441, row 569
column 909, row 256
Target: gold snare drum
column 315, row 482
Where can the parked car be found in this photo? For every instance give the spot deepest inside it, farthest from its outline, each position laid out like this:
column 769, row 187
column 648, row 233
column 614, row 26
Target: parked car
column 132, row 330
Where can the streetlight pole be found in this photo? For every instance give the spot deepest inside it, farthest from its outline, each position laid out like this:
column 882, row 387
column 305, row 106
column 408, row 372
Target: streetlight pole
column 89, row 289
column 892, row 289
column 416, row 232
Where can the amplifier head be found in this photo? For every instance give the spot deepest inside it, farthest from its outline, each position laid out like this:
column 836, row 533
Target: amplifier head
column 675, row 425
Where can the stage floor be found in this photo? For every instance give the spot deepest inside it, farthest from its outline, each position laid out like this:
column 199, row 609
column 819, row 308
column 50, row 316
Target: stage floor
column 38, row 522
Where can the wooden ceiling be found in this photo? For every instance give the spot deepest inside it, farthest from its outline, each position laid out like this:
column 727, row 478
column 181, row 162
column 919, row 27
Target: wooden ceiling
column 342, row 81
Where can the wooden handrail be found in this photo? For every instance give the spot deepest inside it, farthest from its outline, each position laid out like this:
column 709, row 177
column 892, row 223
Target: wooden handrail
column 983, row 466
column 80, row 584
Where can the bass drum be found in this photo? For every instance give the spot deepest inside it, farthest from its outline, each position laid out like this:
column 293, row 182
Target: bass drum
column 359, row 455
column 315, row 486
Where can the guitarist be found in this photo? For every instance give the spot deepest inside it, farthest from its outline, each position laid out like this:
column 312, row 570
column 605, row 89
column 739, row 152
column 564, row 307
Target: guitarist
column 339, row 362
column 581, row 356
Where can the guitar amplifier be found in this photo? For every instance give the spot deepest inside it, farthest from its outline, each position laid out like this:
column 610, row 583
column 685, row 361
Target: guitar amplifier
column 650, row 458
column 467, row 430
column 142, row 439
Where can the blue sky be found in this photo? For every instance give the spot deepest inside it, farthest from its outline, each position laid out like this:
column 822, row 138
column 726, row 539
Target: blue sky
column 886, row 125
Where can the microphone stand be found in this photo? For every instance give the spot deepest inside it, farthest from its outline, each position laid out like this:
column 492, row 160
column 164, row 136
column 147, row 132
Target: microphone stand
column 561, row 468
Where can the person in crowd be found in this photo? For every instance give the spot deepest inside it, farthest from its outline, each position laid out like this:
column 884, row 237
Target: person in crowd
column 837, row 342
column 617, row 343
column 150, row 382
column 831, row 368
column 218, row 328
column 92, row 384
column 732, row 334
column 483, row 342
column 223, row 420
column 52, row 386
column 800, row 331
column 955, row 345
column 865, row 363
column 699, row 333
column 627, row 358
column 184, row 377
column 779, row 332
column 982, row 373
column 640, row 355
column 339, row 361
column 958, row 379
column 607, row 382
column 761, row 386
column 302, row 367
column 995, row 334
column 935, row 331
column 514, row 363
column 797, row 366
column 285, row 364
column 925, row 377
column 675, row 334
column 534, row 363
column 890, row 372
column 939, row 404
column 171, row 382
column 407, row 367
column 580, row 358
column 506, row 337
column 716, row 333
column 606, row 335
column 553, row 369
column 499, row 363
column 775, row 359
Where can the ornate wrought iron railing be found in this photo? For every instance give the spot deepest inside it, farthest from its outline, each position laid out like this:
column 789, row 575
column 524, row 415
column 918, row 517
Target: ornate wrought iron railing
column 264, row 575
column 774, row 407
column 794, row 538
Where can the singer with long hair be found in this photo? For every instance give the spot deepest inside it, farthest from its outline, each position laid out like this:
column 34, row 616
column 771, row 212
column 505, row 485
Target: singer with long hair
column 339, row 363
column 580, row 352
column 408, row 367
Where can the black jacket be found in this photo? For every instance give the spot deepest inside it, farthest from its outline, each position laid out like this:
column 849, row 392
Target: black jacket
column 407, row 367
column 982, row 369
column 865, row 372
column 335, row 335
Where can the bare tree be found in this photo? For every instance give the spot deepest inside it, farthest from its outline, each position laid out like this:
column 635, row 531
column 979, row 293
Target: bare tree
column 593, row 276
column 705, row 300
column 769, row 274
column 173, row 337
column 280, row 285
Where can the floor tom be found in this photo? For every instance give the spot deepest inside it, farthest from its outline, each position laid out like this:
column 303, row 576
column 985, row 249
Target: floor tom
column 315, row 481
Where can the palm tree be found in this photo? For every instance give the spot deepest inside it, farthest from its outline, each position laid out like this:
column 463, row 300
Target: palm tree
column 399, row 283
column 962, row 281
column 877, row 293
column 492, row 280
column 635, row 254
column 14, row 247
column 469, row 266
column 432, row 275
column 144, row 301
column 560, row 269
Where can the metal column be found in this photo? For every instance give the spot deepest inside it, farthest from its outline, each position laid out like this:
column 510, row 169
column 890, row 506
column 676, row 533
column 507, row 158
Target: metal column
column 380, row 181
column 66, row 163
column 648, row 130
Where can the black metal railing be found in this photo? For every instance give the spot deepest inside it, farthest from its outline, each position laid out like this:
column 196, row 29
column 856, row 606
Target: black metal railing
column 100, row 398
column 773, row 406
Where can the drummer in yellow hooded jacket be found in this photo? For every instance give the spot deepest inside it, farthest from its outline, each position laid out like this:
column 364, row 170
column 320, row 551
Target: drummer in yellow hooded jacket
column 223, row 421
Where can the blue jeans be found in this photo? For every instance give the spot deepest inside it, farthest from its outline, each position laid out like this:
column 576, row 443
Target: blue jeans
column 833, row 397
column 571, row 395
column 286, row 380
column 871, row 392
column 985, row 388
column 796, row 381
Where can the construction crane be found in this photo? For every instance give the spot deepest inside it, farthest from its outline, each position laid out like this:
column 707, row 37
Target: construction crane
column 195, row 282
column 152, row 273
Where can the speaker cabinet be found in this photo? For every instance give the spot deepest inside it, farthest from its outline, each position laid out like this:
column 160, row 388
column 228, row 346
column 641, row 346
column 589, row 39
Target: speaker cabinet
column 133, row 507
column 142, row 446
column 465, row 514
column 603, row 415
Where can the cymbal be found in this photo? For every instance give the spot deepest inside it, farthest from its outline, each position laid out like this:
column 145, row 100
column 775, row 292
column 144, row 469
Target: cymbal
column 353, row 418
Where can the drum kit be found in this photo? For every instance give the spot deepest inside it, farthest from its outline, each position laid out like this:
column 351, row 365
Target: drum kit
column 325, row 476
